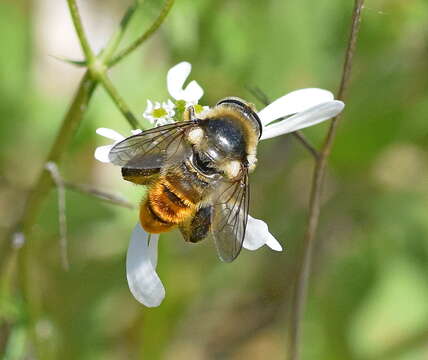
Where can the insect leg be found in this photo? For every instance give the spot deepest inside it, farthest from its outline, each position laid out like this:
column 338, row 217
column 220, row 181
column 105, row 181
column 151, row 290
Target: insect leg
column 140, row 176
column 197, row 228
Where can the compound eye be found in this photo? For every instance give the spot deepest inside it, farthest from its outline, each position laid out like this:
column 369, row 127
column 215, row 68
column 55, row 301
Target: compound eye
column 232, row 169
column 195, row 136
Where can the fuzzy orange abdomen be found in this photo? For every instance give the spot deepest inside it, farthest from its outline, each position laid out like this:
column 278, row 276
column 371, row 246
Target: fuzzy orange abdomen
column 165, row 207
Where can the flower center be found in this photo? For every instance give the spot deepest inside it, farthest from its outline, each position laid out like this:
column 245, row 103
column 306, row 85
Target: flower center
column 159, row 113
column 198, row 108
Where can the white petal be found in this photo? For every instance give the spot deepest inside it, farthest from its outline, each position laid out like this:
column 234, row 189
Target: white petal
column 101, row 153
column 192, row 93
column 257, row 235
column 294, row 102
column 176, row 77
column 273, row 244
column 149, row 106
column 110, row 134
column 309, row 117
column 141, row 261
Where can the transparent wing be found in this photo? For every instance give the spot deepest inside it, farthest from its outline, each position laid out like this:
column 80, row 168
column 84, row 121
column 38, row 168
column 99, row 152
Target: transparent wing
column 151, row 148
column 229, row 218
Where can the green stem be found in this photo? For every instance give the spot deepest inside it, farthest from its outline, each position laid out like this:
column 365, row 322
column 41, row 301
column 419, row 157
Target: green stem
column 44, row 181
column 34, row 203
column 71, row 121
column 95, row 73
column 117, row 37
column 118, row 100
column 150, row 31
column 63, row 138
column 77, row 21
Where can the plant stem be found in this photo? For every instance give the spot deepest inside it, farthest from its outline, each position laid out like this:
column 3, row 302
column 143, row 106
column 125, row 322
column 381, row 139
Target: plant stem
column 119, row 101
column 305, row 142
column 44, row 181
column 77, row 21
column 117, row 37
column 102, row 195
column 305, row 264
column 23, row 227
column 62, row 140
column 62, row 218
column 75, row 114
column 150, row 31
column 96, row 72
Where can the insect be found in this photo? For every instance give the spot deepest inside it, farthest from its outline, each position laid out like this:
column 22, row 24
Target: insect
column 196, row 171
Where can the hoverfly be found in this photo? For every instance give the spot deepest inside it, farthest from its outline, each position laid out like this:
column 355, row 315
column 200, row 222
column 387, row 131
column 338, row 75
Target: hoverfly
column 196, row 171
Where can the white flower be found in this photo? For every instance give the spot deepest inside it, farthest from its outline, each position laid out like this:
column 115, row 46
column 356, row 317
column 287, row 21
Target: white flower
column 160, row 114
column 289, row 113
column 175, row 79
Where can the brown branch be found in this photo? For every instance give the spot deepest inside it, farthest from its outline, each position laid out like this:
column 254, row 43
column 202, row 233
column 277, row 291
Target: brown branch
column 305, row 264
column 305, row 142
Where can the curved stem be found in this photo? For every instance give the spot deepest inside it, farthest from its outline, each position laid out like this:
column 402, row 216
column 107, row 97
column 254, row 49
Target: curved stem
column 77, row 21
column 44, row 181
column 304, row 267
column 117, row 37
column 150, row 31
column 95, row 73
column 71, row 120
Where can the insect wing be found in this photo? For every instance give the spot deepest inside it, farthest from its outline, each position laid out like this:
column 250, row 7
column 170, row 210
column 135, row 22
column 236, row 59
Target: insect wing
column 229, row 218
column 151, row 148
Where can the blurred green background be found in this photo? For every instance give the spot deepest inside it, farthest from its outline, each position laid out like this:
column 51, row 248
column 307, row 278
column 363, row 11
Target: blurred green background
column 368, row 296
